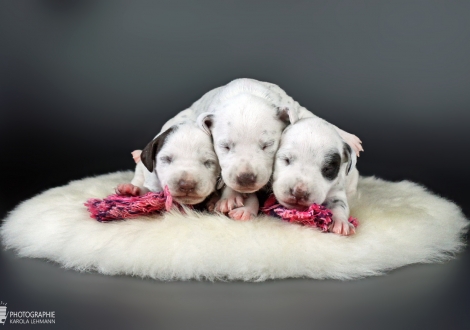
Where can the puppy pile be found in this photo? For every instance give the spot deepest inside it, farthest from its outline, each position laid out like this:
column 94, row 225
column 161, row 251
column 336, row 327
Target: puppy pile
column 223, row 149
column 236, row 140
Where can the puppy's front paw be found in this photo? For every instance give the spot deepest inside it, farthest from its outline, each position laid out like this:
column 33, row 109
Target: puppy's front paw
column 241, row 213
column 225, row 205
column 342, row 227
column 128, row 189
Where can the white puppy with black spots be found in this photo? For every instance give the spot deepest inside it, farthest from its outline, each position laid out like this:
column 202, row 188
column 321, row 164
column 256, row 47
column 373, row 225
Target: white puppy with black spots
column 315, row 165
column 181, row 157
column 246, row 118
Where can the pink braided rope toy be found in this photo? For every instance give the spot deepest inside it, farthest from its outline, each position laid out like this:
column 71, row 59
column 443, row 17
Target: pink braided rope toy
column 117, row 207
column 317, row 216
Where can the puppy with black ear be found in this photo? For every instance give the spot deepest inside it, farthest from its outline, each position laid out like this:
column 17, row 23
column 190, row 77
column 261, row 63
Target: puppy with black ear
column 315, row 165
column 181, row 157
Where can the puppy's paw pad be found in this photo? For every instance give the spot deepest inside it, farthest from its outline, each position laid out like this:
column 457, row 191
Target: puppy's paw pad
column 228, row 204
column 221, row 206
column 128, row 189
column 343, row 228
column 241, row 213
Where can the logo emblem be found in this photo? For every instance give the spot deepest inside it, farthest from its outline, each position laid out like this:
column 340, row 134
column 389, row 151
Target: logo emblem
column 3, row 312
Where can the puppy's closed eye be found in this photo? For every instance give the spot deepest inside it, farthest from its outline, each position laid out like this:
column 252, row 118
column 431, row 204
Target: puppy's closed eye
column 209, row 163
column 285, row 159
column 166, row 159
column 266, row 145
column 226, row 145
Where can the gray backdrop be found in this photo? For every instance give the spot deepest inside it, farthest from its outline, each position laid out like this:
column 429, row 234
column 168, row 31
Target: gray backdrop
column 83, row 83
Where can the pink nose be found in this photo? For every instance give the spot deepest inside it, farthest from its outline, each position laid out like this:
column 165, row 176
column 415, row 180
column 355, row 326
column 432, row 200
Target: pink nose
column 299, row 193
column 186, row 186
column 246, row 179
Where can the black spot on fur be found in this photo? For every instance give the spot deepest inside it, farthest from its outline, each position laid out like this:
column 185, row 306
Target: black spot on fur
column 346, row 152
column 283, row 114
column 149, row 153
column 331, row 165
column 347, row 156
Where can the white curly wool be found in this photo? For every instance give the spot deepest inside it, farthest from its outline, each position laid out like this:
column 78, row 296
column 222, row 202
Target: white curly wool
column 400, row 223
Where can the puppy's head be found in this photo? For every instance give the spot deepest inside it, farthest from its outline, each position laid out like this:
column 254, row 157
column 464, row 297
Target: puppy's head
column 312, row 160
column 183, row 159
column 246, row 132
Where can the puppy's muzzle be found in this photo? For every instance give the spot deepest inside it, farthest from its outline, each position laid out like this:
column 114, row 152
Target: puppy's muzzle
column 246, row 180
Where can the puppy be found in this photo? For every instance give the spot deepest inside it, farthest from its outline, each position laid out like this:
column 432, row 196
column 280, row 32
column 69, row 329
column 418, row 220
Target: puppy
column 246, row 126
column 315, row 165
column 181, row 157
column 246, row 118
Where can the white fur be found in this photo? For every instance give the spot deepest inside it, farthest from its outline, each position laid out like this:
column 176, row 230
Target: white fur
column 304, row 150
column 192, row 157
column 271, row 94
column 246, row 128
column 246, row 118
column 400, row 223
column 189, row 148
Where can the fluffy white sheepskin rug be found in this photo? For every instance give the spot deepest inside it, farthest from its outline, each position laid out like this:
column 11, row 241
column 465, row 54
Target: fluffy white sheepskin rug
column 400, row 223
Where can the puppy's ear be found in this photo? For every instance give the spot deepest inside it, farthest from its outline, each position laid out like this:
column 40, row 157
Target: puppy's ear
column 349, row 156
column 220, row 183
column 205, row 121
column 149, row 153
column 287, row 115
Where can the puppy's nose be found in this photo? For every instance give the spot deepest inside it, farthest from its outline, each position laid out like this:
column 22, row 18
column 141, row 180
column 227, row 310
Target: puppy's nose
column 299, row 193
column 246, row 179
column 186, row 185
